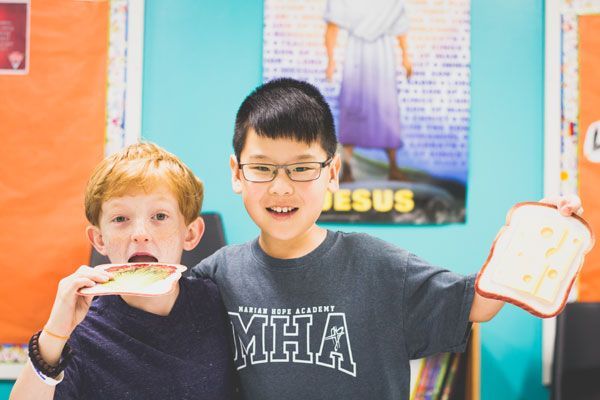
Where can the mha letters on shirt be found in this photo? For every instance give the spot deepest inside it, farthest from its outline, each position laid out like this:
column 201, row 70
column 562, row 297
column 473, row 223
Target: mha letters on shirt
column 284, row 336
column 342, row 321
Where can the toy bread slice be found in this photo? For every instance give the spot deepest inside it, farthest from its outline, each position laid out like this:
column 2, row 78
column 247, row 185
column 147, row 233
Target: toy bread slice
column 141, row 279
column 535, row 258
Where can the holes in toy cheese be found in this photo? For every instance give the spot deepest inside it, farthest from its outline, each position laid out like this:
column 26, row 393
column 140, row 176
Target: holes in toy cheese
column 546, row 232
column 537, row 259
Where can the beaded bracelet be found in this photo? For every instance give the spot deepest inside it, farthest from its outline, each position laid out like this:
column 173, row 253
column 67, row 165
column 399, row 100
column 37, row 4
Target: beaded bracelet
column 42, row 366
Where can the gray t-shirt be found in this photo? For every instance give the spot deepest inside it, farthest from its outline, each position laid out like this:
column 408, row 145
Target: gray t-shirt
column 341, row 322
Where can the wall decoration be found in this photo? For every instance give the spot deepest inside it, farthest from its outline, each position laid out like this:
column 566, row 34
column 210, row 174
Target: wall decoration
column 572, row 94
column 397, row 76
column 14, row 36
column 56, row 137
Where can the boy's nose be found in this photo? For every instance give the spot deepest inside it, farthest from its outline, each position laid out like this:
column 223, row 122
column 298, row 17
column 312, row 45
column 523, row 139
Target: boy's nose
column 140, row 233
column 282, row 184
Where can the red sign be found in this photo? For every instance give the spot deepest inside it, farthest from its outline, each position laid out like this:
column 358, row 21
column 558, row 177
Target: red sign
column 14, row 37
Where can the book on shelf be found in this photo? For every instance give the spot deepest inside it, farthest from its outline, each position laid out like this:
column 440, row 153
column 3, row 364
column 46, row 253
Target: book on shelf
column 450, row 379
column 435, row 377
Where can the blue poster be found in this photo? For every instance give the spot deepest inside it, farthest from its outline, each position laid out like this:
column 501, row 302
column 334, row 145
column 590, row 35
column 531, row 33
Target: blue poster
column 396, row 74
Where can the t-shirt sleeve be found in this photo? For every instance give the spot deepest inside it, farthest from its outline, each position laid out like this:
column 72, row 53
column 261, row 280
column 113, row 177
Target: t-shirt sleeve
column 206, row 268
column 437, row 306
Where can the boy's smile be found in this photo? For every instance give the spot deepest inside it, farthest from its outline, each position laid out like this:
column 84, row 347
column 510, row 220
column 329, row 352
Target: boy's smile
column 145, row 227
column 284, row 210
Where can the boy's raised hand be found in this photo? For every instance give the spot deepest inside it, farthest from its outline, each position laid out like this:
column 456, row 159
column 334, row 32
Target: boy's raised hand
column 567, row 205
column 70, row 308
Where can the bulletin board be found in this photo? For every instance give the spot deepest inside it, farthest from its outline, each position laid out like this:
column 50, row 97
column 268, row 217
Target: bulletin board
column 79, row 98
column 418, row 121
column 572, row 131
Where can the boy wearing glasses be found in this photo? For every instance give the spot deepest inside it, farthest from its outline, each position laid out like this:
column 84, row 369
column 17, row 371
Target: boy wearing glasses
column 317, row 313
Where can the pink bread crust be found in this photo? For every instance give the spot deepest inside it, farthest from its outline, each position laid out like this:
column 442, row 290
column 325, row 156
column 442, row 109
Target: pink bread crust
column 174, row 269
column 510, row 299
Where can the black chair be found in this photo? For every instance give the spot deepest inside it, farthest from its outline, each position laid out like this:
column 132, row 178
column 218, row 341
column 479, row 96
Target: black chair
column 576, row 366
column 212, row 240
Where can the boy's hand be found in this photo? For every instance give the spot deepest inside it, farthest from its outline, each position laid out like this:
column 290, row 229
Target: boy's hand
column 567, row 205
column 69, row 307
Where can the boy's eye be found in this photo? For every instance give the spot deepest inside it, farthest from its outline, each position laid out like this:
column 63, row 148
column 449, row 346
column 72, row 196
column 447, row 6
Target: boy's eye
column 119, row 218
column 261, row 168
column 160, row 216
column 302, row 168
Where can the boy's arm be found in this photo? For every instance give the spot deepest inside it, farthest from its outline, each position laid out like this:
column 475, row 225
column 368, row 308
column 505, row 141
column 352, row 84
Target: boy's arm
column 484, row 309
column 29, row 385
column 68, row 311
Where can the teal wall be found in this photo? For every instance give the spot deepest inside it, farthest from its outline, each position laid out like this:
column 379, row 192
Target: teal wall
column 203, row 57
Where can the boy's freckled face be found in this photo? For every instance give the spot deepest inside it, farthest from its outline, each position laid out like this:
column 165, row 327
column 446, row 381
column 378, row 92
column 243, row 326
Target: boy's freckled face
column 142, row 227
column 283, row 209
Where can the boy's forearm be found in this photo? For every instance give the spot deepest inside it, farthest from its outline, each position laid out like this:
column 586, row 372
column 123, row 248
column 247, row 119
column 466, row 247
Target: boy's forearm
column 30, row 386
column 51, row 348
column 484, row 309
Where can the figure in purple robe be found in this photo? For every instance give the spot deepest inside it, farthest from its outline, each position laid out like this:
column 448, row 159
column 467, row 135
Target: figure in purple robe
column 369, row 113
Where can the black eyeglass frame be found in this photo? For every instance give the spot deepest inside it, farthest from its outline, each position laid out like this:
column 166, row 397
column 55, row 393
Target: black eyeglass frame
column 322, row 164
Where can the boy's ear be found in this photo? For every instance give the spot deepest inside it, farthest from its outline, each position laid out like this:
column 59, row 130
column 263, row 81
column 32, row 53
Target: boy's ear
column 194, row 233
column 334, row 173
column 236, row 183
column 95, row 236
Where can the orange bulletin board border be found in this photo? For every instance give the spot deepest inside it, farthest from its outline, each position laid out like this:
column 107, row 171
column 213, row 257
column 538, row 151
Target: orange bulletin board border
column 117, row 116
column 589, row 146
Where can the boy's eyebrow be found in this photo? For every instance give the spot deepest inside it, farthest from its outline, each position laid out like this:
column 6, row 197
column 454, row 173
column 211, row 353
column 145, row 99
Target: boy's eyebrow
column 262, row 158
column 305, row 157
column 258, row 158
column 123, row 204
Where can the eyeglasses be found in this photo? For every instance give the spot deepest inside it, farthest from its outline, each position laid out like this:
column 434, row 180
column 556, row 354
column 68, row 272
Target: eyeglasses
column 298, row 172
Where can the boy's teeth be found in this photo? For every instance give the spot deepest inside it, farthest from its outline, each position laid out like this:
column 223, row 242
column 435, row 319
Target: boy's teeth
column 281, row 209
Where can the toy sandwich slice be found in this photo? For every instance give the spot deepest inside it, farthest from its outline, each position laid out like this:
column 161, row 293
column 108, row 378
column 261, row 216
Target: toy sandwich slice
column 535, row 258
column 141, row 279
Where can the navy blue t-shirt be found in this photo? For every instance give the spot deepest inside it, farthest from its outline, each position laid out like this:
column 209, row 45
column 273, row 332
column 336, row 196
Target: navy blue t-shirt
column 122, row 352
column 341, row 322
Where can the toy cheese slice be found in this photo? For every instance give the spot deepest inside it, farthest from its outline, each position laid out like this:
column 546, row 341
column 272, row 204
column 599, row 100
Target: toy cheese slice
column 141, row 279
column 535, row 258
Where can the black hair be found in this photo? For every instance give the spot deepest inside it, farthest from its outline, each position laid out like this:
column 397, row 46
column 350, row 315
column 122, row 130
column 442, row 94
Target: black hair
column 286, row 108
